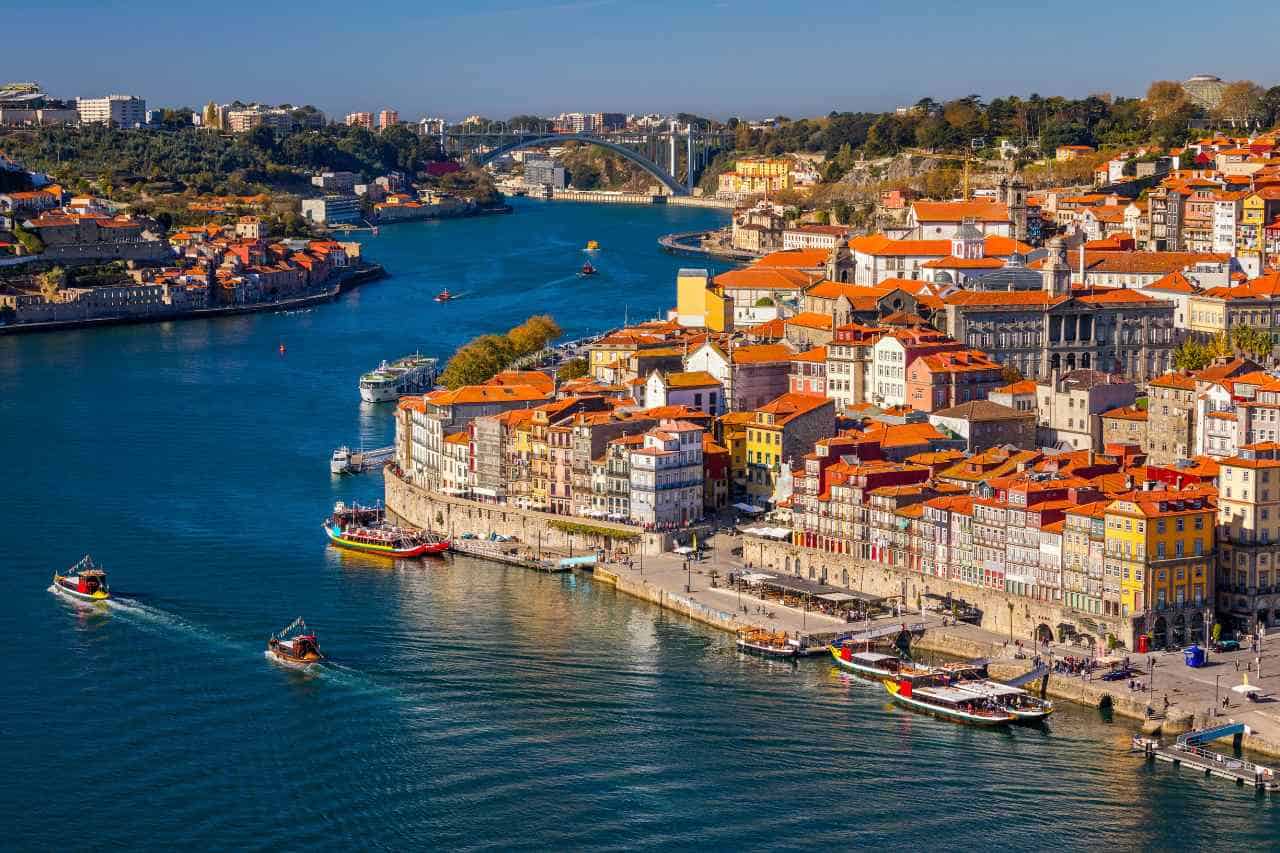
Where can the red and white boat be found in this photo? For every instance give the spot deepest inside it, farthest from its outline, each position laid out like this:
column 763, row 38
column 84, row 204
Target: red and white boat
column 85, row 581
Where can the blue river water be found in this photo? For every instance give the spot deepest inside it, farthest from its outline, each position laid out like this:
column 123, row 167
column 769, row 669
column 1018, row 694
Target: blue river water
column 468, row 705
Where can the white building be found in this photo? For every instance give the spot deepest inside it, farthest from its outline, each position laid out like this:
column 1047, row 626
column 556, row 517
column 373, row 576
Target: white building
column 666, row 475
column 117, row 110
column 456, row 476
column 696, row 390
column 814, row 236
column 331, row 209
column 889, row 372
column 1226, row 221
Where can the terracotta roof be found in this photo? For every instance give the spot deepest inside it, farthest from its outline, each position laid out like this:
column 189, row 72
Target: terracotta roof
column 691, row 379
column 1174, row 282
column 755, row 278
column 951, row 262
column 817, row 354
column 1025, row 386
column 790, row 406
column 958, row 211
column 1140, row 263
column 810, row 320
column 1127, row 413
column 534, row 378
column 486, row 394
column 795, row 258
column 775, row 329
column 457, row 438
column 762, row 353
column 1174, row 380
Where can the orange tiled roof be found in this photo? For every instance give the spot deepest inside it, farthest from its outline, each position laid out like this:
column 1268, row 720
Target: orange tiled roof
column 958, row 211
column 755, row 278
column 810, row 320
column 761, row 353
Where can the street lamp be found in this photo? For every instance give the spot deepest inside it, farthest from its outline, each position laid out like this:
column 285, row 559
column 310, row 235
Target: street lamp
column 688, row 577
column 1215, row 693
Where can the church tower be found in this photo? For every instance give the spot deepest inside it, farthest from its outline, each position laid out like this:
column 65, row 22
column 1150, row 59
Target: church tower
column 1013, row 192
column 1056, row 272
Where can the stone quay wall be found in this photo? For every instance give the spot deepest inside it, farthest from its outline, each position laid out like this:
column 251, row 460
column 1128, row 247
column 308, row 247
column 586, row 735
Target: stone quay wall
column 671, row 601
column 453, row 516
column 1017, row 622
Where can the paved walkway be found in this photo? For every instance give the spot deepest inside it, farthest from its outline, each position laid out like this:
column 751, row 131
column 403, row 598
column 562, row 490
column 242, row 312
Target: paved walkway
column 1197, row 690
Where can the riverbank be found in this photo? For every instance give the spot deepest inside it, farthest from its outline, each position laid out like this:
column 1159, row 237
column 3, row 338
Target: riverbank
column 347, row 280
column 690, row 244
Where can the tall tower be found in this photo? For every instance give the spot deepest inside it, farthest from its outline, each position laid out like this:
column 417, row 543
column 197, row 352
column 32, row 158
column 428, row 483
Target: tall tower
column 1013, row 192
column 1056, row 272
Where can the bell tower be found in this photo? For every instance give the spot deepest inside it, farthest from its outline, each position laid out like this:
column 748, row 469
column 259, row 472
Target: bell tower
column 1013, row 192
column 1056, row 272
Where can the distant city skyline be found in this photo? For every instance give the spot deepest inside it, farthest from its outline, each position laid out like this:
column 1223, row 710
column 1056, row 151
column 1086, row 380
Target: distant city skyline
column 500, row 58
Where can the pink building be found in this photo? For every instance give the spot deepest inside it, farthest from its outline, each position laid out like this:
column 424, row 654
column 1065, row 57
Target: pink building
column 945, row 379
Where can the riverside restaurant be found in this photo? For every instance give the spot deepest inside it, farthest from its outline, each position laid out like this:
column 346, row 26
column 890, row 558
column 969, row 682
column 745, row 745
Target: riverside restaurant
column 805, row 594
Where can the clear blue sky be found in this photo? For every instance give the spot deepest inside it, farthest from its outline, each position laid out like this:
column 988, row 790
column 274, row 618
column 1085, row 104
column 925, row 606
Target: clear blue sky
column 719, row 58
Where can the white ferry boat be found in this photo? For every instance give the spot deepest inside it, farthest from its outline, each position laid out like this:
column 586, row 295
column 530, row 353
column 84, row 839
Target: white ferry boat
column 409, row 375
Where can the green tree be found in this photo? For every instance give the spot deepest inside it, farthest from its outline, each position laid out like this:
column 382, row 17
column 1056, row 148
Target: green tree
column 29, row 241
column 1191, row 355
column 52, row 281
column 575, row 368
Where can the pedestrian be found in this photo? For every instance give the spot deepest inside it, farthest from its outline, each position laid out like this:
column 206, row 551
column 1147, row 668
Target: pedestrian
column 1237, row 664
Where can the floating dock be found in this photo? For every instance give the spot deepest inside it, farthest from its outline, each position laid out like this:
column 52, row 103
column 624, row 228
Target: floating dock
column 506, row 552
column 1188, row 752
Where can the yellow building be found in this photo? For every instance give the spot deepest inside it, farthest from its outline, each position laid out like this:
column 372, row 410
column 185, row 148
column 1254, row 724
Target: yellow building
column 757, row 176
column 781, row 432
column 733, row 435
column 1159, row 546
column 1257, row 209
column 700, row 304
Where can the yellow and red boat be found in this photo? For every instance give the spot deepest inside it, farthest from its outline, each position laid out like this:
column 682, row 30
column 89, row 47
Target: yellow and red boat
column 295, row 645
column 85, row 581
column 365, row 529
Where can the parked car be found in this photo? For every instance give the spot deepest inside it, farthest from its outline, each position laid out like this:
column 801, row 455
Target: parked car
column 1226, row 646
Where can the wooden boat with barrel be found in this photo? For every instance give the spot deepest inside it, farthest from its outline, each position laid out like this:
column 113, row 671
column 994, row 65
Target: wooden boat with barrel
column 860, row 658
column 85, row 581
column 769, row 644
column 296, row 645
column 928, row 694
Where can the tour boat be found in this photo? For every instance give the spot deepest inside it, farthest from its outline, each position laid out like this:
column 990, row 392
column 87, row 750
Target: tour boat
column 340, row 461
column 409, row 375
column 592, row 245
column 376, row 536
column 356, row 515
column 866, row 663
column 1024, row 707
column 85, row 580
column 587, row 270
column 444, row 295
column 295, row 645
column 949, row 703
column 768, row 644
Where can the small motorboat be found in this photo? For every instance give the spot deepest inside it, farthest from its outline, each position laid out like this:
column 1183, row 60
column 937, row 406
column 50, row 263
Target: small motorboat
column 295, row 645
column 592, row 246
column 444, row 295
column 85, row 581
column 586, row 270
column 768, row 644
column 340, row 461
column 282, row 349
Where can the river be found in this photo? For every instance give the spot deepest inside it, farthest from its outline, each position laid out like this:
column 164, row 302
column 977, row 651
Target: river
column 468, row 705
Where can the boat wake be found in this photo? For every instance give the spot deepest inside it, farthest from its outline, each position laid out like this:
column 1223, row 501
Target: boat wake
column 159, row 621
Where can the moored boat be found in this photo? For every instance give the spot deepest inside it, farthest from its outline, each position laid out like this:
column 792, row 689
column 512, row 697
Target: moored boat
column 920, row 693
column 340, row 461
column 366, row 529
column 1024, row 707
column 409, row 375
column 85, row 581
column 295, row 645
column 768, row 644
column 864, row 661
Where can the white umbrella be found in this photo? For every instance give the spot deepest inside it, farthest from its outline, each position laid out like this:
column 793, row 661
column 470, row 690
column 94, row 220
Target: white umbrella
column 1246, row 688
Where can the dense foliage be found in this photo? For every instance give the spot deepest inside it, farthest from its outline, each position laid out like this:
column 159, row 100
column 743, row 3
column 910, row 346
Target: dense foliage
column 209, row 161
column 482, row 358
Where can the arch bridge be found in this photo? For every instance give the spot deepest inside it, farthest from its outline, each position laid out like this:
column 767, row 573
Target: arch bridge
column 645, row 149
